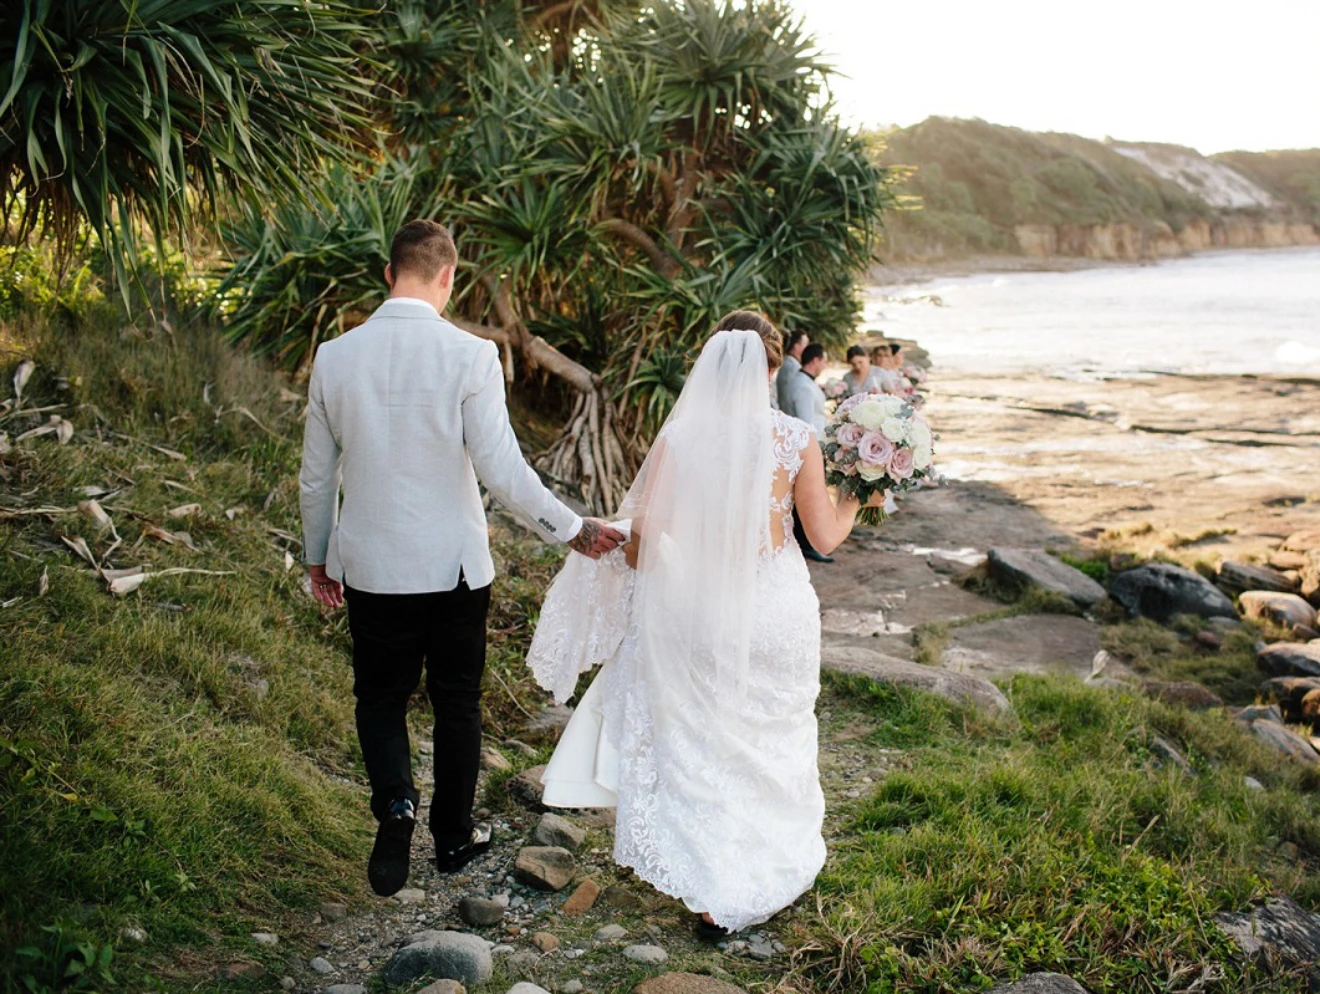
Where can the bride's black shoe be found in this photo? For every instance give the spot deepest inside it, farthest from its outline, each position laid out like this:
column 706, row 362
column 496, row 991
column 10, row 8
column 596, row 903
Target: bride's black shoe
column 710, row 932
column 453, row 860
column 387, row 870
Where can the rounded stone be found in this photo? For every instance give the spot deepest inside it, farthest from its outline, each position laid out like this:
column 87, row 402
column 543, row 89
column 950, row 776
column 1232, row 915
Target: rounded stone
column 446, row 955
column 481, row 912
column 646, row 954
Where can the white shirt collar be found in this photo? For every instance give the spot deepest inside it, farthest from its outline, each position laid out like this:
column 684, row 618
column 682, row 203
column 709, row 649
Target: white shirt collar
column 413, row 300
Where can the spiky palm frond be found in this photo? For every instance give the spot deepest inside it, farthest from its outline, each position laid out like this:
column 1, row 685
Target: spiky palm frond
column 120, row 112
column 302, row 275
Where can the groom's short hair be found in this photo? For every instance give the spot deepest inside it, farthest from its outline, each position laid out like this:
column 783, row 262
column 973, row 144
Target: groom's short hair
column 813, row 352
column 422, row 248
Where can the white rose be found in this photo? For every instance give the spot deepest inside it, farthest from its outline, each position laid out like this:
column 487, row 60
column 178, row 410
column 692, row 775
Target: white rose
column 921, row 456
column 870, row 473
column 920, row 435
column 893, row 429
column 893, row 405
column 869, row 414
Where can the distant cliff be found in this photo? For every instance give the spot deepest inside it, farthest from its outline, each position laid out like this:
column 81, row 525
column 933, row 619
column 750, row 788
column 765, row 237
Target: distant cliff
column 973, row 188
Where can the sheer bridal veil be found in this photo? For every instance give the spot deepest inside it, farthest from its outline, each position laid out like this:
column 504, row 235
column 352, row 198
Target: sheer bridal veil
column 700, row 508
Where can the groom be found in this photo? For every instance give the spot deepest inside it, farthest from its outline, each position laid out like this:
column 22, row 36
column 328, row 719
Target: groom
column 405, row 413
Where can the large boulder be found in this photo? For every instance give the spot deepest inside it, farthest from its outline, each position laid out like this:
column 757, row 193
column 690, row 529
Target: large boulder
column 1290, row 659
column 1038, row 568
column 1266, row 723
column 1240, row 577
column 1307, row 546
column 1161, row 590
column 1042, row 983
column 960, row 687
column 1279, row 930
column 457, row 956
column 1284, row 610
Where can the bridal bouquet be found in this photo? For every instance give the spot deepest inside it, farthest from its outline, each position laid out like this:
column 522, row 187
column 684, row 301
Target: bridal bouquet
column 876, row 443
column 835, row 389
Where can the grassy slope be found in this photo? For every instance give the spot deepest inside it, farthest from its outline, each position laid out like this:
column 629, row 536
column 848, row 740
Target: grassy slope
column 205, row 809
column 977, row 180
column 176, row 760
column 1054, row 844
column 1292, row 176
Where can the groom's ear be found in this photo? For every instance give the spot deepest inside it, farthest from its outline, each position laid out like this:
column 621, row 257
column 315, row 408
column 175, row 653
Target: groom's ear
column 389, row 276
column 447, row 277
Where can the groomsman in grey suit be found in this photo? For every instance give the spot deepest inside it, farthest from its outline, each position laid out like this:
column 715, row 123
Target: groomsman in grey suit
column 805, row 400
column 794, row 343
column 404, row 414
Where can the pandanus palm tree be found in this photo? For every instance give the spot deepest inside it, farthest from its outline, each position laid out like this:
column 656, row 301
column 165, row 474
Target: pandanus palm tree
column 618, row 176
column 117, row 114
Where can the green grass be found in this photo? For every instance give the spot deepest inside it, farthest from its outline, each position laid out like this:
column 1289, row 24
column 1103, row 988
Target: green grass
column 1056, row 844
column 1159, row 653
column 177, row 760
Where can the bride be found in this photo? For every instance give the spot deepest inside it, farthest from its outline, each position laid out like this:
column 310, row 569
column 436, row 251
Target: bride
column 700, row 727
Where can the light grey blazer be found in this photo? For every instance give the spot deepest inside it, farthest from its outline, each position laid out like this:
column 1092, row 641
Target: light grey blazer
column 406, row 412
column 805, row 401
column 788, row 372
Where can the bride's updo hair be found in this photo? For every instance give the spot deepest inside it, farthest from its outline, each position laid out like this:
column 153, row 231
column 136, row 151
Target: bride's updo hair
column 770, row 335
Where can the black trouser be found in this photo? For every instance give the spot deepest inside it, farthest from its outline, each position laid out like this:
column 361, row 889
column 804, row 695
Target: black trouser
column 393, row 635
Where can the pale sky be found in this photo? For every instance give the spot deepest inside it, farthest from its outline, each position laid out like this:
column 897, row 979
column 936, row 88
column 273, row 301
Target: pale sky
column 1208, row 74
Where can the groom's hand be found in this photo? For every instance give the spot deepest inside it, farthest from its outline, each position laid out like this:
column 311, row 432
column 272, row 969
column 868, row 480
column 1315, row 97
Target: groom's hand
column 329, row 592
column 595, row 539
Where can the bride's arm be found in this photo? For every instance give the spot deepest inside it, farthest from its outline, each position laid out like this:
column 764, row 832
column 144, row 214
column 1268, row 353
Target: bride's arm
column 827, row 524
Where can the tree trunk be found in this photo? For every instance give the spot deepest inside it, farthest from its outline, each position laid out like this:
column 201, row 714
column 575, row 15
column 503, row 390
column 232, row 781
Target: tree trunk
column 591, row 456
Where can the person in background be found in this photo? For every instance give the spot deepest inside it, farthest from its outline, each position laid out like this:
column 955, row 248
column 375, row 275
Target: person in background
column 794, row 343
column 886, row 361
column 805, row 400
column 861, row 377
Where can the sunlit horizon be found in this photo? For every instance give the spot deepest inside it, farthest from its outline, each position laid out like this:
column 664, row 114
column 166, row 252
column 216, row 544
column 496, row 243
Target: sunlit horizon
column 1153, row 71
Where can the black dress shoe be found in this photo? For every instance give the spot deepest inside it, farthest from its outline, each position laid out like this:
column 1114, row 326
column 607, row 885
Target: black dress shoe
column 387, row 870
column 817, row 557
column 710, row 932
column 453, row 860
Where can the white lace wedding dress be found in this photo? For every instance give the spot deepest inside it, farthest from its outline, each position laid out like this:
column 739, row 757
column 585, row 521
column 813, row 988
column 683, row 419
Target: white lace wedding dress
column 718, row 793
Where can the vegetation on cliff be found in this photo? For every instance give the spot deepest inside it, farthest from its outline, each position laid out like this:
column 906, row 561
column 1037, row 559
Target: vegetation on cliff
column 975, row 182
column 978, row 188
column 1293, row 177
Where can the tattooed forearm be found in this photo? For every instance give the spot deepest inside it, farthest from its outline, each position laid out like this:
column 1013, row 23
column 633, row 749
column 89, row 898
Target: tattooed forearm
column 585, row 540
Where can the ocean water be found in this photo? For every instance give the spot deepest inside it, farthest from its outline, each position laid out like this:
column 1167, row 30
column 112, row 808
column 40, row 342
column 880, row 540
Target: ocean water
column 1220, row 312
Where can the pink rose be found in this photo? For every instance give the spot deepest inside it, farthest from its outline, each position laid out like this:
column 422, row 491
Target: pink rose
column 849, row 403
column 901, row 464
column 875, row 449
column 850, row 434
